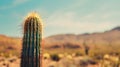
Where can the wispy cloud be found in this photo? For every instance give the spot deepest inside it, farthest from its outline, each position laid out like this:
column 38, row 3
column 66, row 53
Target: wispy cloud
column 77, row 16
column 67, row 22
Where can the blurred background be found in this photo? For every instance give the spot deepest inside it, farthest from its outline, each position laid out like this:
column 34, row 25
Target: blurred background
column 77, row 33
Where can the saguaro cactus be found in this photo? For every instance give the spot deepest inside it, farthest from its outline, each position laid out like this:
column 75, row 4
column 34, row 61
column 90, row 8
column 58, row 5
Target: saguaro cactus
column 31, row 45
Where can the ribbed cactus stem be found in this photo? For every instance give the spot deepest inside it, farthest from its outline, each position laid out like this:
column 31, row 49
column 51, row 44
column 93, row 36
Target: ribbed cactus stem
column 31, row 46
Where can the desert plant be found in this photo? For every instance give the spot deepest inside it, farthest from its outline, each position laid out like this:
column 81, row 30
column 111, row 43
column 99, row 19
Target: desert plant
column 55, row 57
column 86, row 48
column 79, row 54
column 31, row 45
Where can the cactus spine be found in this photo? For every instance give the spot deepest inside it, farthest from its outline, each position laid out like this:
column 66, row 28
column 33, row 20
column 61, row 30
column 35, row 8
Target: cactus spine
column 31, row 45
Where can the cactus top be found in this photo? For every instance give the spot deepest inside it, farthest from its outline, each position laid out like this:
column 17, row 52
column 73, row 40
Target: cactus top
column 33, row 19
column 33, row 14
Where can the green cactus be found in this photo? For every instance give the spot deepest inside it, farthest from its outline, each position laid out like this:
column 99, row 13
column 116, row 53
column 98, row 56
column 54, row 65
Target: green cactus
column 31, row 45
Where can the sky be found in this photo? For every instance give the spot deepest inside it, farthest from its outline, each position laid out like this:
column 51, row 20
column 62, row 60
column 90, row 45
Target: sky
column 60, row 16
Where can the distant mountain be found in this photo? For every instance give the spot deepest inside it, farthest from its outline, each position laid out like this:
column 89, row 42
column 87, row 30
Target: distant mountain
column 9, row 44
column 72, row 41
column 117, row 28
column 111, row 37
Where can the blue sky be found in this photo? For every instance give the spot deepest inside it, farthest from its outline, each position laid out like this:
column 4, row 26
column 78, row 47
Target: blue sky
column 60, row 16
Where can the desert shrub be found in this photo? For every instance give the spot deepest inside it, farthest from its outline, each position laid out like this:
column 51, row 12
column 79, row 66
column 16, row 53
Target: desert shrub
column 79, row 54
column 46, row 55
column 98, row 56
column 87, row 60
column 12, row 60
column 55, row 46
column 93, row 62
column 55, row 57
column 61, row 55
column 83, row 63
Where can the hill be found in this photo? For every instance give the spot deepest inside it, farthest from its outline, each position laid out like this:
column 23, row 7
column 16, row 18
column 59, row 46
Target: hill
column 10, row 45
column 110, row 37
column 102, row 40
